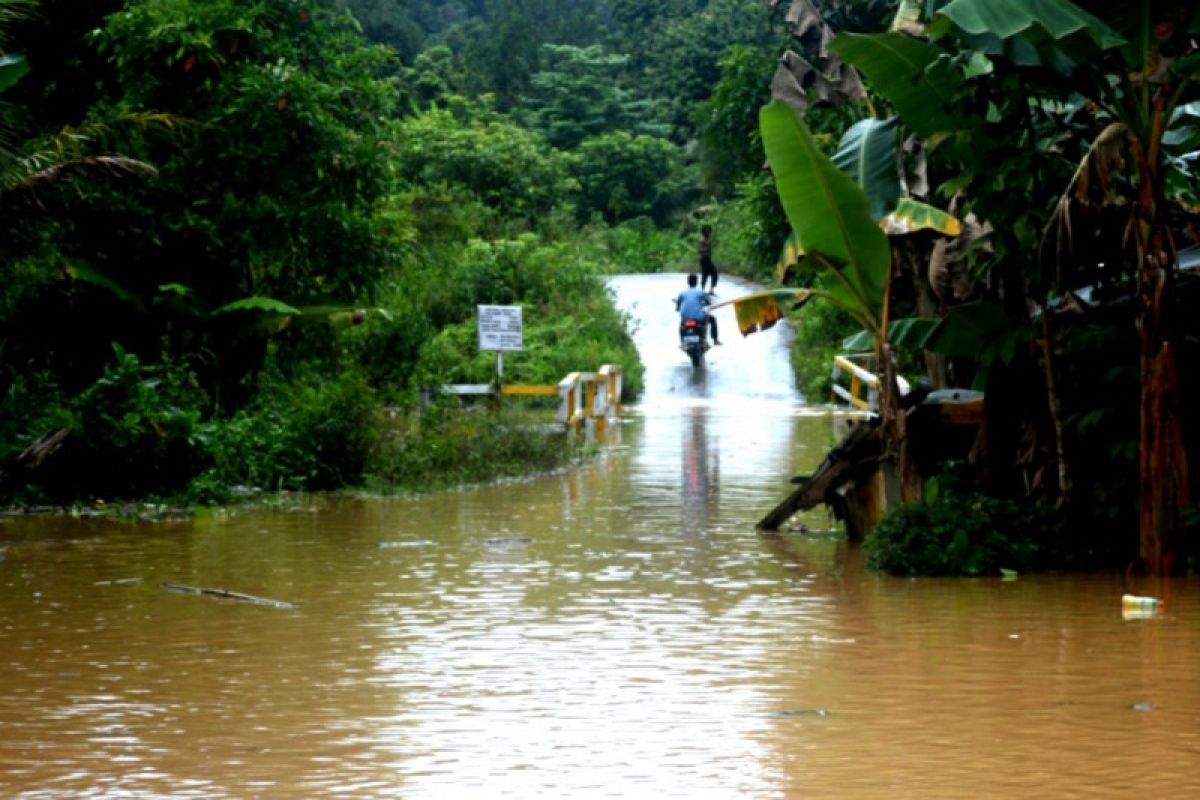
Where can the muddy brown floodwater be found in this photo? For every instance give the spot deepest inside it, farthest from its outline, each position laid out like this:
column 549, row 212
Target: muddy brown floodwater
column 616, row 631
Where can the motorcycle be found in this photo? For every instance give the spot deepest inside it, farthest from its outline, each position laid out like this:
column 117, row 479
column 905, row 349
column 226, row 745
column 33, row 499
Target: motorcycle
column 693, row 340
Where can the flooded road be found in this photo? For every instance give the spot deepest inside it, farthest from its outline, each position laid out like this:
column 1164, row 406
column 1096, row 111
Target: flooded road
column 617, row 631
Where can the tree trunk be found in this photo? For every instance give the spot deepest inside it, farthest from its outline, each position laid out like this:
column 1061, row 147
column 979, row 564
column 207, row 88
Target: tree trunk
column 916, row 263
column 896, row 462
column 1054, row 406
column 1162, row 458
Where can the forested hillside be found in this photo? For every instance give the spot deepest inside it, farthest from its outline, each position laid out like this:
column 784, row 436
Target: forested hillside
column 235, row 233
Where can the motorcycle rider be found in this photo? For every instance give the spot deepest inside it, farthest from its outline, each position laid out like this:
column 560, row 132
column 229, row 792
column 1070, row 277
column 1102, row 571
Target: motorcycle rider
column 693, row 303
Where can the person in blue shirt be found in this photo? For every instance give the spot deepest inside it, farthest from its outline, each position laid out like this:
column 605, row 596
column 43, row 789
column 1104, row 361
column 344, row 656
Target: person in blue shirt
column 693, row 303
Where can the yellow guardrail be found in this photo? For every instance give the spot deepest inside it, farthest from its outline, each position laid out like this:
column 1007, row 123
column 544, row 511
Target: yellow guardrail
column 863, row 392
column 587, row 401
column 860, row 378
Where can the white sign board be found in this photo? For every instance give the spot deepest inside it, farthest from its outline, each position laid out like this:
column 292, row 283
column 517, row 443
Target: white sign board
column 500, row 328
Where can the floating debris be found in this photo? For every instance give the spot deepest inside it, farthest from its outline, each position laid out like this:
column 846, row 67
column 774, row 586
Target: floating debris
column 414, row 543
column 800, row 712
column 506, row 540
column 225, row 594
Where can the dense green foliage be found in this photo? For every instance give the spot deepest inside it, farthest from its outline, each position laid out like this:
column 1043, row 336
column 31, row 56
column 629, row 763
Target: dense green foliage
column 957, row 531
column 236, row 233
column 1066, row 142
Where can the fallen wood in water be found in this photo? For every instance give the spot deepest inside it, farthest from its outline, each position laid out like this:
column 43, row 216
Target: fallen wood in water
column 857, row 453
column 225, row 594
column 941, row 426
column 33, row 457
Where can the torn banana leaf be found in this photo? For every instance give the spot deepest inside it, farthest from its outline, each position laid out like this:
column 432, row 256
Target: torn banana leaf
column 911, row 216
column 789, row 257
column 761, row 310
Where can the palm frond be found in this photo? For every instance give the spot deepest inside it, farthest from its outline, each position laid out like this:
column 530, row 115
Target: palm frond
column 42, row 169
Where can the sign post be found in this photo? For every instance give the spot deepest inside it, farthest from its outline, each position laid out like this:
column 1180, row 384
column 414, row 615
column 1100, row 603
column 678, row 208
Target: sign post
column 500, row 329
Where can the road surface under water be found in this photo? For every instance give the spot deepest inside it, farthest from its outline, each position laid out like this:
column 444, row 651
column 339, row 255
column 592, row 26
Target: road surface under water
column 619, row 631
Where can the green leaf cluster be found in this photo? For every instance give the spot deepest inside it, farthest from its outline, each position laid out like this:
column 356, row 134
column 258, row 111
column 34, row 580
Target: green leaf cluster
column 958, row 531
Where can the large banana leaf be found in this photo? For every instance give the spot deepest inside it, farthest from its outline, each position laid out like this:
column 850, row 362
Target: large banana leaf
column 910, row 216
column 830, row 215
column 867, row 153
column 907, row 71
column 1183, row 130
column 761, row 310
column 978, row 330
column 1031, row 19
column 908, row 334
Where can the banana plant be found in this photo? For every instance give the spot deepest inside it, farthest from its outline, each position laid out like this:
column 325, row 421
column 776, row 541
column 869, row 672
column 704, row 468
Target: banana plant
column 868, row 154
column 1139, row 69
column 830, row 215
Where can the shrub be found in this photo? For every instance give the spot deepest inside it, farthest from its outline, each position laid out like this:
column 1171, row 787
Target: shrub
column 637, row 245
column 961, row 532
column 308, row 434
column 132, row 432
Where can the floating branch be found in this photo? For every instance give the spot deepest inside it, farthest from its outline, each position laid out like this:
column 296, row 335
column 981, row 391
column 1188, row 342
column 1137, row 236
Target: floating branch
column 225, row 594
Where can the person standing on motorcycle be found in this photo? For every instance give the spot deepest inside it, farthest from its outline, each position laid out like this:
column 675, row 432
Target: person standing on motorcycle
column 692, row 303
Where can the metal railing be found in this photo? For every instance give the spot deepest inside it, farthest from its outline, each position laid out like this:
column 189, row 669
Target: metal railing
column 588, row 402
column 863, row 389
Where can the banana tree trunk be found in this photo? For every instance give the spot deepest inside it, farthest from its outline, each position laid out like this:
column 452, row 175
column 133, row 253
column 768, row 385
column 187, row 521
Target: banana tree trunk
column 897, row 466
column 899, row 471
column 1162, row 457
column 915, row 263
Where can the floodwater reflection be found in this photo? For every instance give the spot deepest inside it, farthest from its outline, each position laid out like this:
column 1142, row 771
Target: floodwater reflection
column 619, row 631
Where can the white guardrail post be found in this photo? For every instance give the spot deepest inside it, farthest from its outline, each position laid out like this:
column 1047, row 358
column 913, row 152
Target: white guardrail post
column 569, row 402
